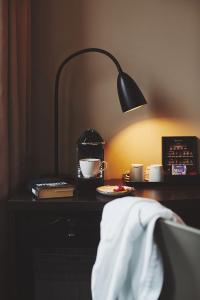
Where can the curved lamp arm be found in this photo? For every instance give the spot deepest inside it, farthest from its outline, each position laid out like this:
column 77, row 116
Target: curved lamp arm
column 129, row 94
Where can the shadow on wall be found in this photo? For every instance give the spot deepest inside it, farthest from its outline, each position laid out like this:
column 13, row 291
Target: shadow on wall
column 57, row 31
column 163, row 105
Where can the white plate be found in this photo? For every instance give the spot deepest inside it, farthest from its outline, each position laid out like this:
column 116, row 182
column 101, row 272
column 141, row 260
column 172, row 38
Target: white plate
column 109, row 190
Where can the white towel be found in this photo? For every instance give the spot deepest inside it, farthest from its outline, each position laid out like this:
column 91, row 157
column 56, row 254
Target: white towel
column 129, row 265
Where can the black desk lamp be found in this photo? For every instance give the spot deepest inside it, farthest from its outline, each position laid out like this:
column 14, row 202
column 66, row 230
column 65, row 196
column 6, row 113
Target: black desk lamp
column 129, row 93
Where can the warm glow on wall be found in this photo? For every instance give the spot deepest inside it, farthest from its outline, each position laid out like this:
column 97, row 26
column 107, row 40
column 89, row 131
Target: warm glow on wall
column 141, row 143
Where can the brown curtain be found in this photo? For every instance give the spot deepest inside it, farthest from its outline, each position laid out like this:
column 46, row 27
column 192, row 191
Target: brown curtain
column 14, row 107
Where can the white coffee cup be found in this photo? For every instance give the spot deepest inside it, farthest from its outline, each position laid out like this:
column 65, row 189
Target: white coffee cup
column 136, row 173
column 91, row 167
column 156, row 173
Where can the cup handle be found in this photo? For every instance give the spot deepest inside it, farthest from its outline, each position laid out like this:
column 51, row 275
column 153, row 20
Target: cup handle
column 104, row 165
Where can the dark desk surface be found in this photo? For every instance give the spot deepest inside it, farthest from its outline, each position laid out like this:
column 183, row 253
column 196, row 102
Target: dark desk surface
column 170, row 195
column 30, row 223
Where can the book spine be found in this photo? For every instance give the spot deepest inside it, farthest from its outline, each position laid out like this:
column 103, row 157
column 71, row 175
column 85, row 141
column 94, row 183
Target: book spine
column 35, row 192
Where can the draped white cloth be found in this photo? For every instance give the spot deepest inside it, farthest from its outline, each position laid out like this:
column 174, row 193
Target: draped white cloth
column 129, row 264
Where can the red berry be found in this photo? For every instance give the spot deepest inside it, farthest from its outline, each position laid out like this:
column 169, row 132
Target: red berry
column 119, row 188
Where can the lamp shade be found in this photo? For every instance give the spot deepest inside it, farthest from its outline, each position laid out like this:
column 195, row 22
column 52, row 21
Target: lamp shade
column 130, row 96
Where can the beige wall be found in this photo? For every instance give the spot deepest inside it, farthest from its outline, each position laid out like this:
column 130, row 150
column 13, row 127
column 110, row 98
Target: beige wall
column 157, row 42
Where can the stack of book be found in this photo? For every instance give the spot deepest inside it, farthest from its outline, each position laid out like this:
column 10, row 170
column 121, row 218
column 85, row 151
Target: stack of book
column 57, row 189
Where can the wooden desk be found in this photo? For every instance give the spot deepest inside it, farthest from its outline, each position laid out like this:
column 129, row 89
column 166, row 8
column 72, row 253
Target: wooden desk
column 73, row 223
column 183, row 199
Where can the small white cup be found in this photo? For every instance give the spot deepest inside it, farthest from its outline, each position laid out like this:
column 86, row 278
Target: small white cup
column 136, row 173
column 156, row 173
column 91, row 167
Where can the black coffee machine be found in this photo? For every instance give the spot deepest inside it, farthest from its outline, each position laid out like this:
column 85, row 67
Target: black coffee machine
column 89, row 145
